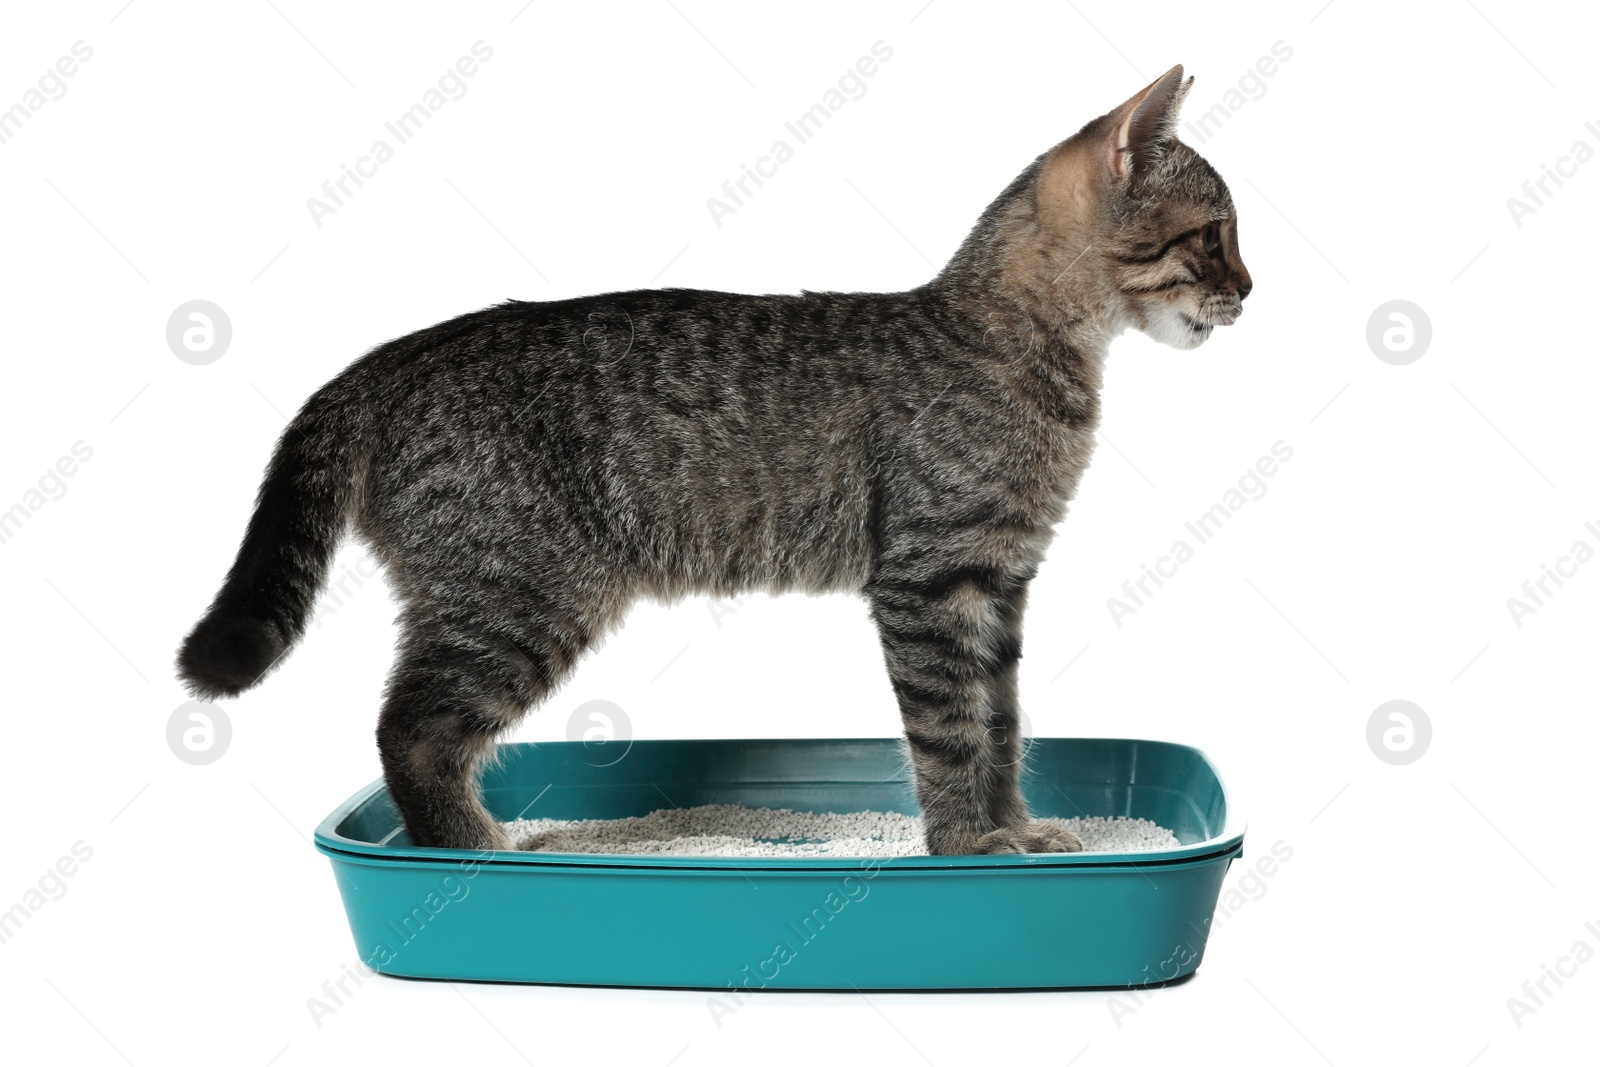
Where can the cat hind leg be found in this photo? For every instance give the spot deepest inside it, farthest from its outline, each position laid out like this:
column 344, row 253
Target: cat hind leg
column 452, row 692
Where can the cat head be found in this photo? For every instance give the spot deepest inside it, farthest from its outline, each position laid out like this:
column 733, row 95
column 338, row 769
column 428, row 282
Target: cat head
column 1153, row 220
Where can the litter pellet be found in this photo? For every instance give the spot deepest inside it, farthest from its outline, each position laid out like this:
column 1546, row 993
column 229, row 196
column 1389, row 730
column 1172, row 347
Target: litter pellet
column 736, row 830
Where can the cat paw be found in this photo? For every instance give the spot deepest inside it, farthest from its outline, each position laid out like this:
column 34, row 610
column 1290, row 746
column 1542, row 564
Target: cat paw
column 1038, row 835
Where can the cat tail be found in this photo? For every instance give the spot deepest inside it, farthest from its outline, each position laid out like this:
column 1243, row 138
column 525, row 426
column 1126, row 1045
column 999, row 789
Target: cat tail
column 300, row 516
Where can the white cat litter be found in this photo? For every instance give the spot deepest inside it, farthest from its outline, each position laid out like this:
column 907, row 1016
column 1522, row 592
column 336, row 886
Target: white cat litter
column 735, row 830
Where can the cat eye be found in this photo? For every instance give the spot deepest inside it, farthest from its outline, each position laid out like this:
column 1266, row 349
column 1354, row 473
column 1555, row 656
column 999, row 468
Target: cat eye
column 1211, row 239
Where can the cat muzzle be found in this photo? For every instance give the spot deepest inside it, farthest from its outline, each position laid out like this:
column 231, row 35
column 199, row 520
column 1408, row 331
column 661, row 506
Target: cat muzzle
column 1219, row 314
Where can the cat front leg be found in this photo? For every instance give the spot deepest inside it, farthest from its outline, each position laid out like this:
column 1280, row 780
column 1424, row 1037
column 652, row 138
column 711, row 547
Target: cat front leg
column 952, row 637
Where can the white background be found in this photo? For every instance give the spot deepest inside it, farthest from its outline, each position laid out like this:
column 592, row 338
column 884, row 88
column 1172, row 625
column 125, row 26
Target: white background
column 1377, row 566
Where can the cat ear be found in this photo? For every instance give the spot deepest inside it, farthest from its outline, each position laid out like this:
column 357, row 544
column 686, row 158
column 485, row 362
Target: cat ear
column 1146, row 125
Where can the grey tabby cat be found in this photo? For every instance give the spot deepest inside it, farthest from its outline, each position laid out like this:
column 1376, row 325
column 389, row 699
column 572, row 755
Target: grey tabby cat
column 527, row 472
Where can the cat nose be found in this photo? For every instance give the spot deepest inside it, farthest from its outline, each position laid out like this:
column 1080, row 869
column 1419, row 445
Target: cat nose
column 1242, row 281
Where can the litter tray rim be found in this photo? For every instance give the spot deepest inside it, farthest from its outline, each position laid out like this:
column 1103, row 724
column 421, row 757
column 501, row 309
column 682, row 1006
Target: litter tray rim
column 1228, row 842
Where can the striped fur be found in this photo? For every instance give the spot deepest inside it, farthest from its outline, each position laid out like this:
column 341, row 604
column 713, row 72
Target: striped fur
column 528, row 471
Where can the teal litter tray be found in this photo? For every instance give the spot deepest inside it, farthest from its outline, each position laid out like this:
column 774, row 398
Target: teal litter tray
column 1049, row 921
